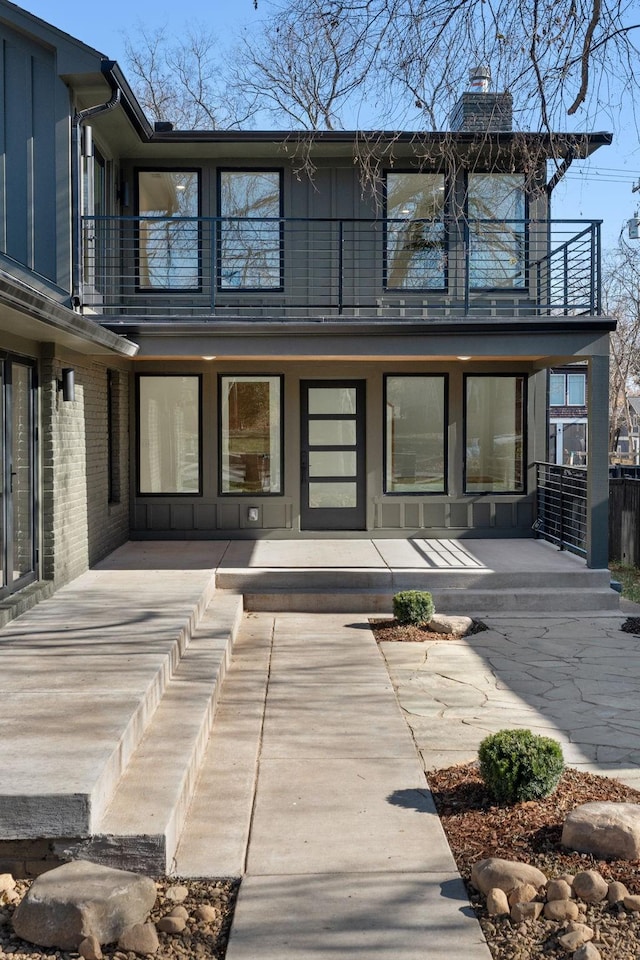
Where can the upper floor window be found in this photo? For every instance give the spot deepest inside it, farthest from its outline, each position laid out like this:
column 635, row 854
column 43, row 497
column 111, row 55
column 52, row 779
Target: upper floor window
column 496, row 210
column 567, row 389
column 168, row 246
column 415, row 248
column 250, row 239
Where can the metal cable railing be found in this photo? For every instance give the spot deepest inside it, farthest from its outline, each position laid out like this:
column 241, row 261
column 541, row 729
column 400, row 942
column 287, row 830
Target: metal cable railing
column 561, row 506
column 339, row 267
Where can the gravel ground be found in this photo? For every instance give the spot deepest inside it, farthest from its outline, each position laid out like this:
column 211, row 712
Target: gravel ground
column 199, row 939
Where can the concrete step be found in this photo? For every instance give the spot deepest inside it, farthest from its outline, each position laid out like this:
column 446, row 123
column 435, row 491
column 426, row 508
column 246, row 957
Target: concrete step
column 142, row 825
column 104, row 676
column 454, row 601
column 264, row 580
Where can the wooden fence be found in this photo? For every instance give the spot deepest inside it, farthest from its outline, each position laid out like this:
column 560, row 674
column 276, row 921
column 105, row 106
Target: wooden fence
column 624, row 520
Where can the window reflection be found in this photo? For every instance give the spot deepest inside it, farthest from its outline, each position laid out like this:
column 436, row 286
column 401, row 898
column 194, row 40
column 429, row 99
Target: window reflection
column 168, row 243
column 416, row 257
column 496, row 249
column 250, row 230
column 250, row 447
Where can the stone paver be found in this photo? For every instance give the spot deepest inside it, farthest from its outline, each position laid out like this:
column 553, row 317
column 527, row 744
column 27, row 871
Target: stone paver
column 573, row 678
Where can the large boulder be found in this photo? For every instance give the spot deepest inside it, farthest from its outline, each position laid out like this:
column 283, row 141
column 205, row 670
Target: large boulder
column 504, row 874
column 609, row 830
column 79, row 900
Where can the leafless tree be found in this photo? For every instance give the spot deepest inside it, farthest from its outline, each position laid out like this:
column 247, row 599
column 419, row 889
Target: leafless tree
column 409, row 59
column 180, row 80
column 622, row 301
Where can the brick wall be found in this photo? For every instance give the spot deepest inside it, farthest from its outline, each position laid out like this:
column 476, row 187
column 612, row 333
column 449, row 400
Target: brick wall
column 80, row 525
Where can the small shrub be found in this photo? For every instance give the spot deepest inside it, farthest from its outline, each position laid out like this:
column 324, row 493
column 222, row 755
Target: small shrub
column 519, row 765
column 413, row 606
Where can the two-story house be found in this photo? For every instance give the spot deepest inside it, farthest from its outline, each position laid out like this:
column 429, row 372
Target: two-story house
column 274, row 334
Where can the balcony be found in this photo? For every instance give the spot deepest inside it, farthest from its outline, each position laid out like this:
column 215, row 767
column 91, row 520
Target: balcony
column 293, row 268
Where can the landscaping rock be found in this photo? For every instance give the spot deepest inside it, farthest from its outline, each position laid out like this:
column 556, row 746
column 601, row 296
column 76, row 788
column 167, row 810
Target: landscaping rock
column 89, row 948
column 587, row 952
column 440, row 623
column 632, row 903
column 575, row 936
column 530, row 910
column 561, row 910
column 616, row 892
column 559, row 890
column 141, row 938
column 172, row 924
column 6, row 882
column 523, row 893
column 497, row 903
column 179, row 911
column 79, row 900
column 604, row 829
column 505, row 874
column 590, row 886
column 177, row 893
column 208, row 914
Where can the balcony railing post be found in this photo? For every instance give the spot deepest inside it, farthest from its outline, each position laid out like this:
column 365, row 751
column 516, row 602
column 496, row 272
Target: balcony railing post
column 340, row 267
column 214, row 263
column 467, row 262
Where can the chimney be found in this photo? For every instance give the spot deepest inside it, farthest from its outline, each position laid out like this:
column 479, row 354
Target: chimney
column 480, row 111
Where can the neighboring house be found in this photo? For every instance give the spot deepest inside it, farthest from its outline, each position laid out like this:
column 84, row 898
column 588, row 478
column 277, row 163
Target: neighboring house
column 628, row 442
column 260, row 353
column 568, row 415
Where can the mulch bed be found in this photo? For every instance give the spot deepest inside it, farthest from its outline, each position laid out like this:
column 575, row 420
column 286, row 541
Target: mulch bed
column 386, row 631
column 530, row 832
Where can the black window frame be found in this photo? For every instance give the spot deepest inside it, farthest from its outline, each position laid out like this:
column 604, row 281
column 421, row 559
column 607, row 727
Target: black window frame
column 525, row 446
column 416, row 493
column 445, row 234
column 158, row 375
column 220, row 288
column 163, row 291
column 251, row 493
column 524, row 286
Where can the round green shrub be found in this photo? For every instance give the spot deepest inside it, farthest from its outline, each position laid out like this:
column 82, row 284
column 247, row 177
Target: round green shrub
column 413, row 606
column 519, row 765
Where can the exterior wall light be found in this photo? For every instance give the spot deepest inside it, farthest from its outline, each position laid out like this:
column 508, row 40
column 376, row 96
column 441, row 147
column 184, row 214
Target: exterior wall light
column 68, row 383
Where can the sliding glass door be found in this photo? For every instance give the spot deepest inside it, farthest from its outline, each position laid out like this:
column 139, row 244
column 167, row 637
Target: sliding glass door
column 17, row 440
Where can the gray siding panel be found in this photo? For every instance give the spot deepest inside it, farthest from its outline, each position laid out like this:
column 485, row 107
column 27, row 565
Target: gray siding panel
column 28, row 152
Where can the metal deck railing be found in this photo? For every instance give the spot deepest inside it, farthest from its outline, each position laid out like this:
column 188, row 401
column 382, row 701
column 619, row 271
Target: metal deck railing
column 561, row 501
column 296, row 267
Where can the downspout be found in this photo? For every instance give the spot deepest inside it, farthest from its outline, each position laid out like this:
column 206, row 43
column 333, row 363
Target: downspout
column 76, row 178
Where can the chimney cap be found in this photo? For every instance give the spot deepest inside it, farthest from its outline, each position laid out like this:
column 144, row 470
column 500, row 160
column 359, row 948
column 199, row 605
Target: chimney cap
column 480, row 79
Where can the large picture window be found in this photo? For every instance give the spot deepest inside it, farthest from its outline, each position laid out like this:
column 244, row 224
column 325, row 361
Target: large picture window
column 250, row 239
column 415, row 249
column 496, row 209
column 251, row 435
column 415, row 434
column 168, row 434
column 494, row 434
column 168, row 238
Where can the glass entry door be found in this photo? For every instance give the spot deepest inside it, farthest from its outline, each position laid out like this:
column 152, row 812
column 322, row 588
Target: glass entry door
column 17, row 439
column 332, row 470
